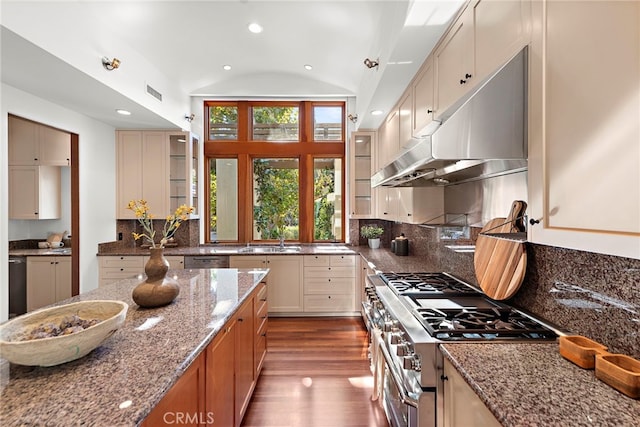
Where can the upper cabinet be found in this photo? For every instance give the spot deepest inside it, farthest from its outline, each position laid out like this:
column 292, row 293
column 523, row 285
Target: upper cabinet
column 34, row 192
column 405, row 121
column 454, row 62
column 584, row 131
column 484, row 37
column 423, row 100
column 33, row 144
column 160, row 167
column 361, row 160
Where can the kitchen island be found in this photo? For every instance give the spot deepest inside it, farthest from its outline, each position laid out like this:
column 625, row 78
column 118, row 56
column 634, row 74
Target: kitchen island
column 120, row 382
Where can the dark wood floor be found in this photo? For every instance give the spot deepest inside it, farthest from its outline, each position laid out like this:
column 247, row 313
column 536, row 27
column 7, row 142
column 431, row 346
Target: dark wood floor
column 316, row 373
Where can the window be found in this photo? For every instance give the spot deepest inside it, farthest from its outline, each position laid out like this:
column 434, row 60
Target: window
column 275, row 123
column 223, row 122
column 327, row 123
column 270, row 176
column 327, row 199
column 276, row 199
column 223, row 199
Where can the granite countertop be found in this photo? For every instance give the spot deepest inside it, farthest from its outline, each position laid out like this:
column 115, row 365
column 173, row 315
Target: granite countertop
column 41, row 252
column 123, row 379
column 532, row 385
column 384, row 260
column 119, row 250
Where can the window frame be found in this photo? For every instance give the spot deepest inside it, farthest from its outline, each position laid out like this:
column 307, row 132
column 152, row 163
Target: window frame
column 245, row 150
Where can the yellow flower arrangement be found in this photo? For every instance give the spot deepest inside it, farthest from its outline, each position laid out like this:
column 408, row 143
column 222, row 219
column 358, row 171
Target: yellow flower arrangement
column 145, row 218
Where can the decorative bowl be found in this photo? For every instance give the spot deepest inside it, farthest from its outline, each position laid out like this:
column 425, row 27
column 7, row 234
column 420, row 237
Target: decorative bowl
column 621, row 372
column 51, row 351
column 580, row 350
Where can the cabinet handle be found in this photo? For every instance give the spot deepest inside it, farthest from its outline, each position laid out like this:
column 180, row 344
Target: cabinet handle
column 429, row 111
column 329, row 297
column 329, row 279
column 264, row 335
column 444, row 377
column 534, row 221
column 36, row 159
column 462, row 81
column 467, row 76
column 240, row 319
column 408, row 214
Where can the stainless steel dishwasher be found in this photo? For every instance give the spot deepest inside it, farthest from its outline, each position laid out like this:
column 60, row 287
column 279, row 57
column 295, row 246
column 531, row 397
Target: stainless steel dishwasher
column 17, row 285
column 206, row 261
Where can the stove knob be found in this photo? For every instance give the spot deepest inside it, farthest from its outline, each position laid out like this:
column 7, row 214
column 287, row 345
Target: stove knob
column 412, row 362
column 389, row 326
column 402, row 349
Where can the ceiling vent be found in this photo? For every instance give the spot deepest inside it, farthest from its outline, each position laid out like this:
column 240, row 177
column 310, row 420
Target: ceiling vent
column 151, row 91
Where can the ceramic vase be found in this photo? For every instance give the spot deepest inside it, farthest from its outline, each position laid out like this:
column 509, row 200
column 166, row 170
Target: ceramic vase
column 158, row 289
column 374, row 243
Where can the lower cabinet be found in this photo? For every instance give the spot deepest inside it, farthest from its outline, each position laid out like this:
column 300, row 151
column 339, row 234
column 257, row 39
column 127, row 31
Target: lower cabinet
column 48, row 280
column 284, row 281
column 462, row 406
column 329, row 283
column 220, row 390
column 217, row 387
column 184, row 403
column 245, row 353
column 116, row 267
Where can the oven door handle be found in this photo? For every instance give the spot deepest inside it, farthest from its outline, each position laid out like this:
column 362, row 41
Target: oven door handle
column 406, row 397
column 366, row 306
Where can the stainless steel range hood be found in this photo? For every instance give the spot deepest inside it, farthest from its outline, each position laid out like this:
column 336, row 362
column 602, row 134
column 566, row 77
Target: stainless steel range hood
column 480, row 137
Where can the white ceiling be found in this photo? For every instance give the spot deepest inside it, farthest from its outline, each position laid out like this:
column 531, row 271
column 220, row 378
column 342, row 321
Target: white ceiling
column 190, row 41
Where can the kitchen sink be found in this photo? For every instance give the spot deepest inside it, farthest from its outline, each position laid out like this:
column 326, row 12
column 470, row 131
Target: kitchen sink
column 269, row 249
column 63, row 251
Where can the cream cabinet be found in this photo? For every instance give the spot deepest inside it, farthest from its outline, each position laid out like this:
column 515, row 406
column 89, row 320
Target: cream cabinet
column 584, row 131
column 176, row 262
column 361, row 158
column 284, row 281
column 387, row 205
column 388, row 139
column 330, row 283
column 113, row 268
column 160, row 167
column 423, row 101
column 48, row 280
column 117, row 267
column 483, row 38
column 462, row 406
column 33, row 144
column 454, row 63
column 419, row 204
column 34, row 192
column 405, row 121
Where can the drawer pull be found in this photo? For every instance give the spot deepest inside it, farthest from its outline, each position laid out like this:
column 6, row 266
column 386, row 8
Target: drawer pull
column 329, row 279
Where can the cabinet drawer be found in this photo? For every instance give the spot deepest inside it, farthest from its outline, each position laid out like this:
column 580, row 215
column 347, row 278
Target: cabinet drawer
column 261, row 293
column 120, row 273
column 122, row 261
column 329, row 272
column 261, row 315
column 329, row 285
column 328, row 303
column 343, row 260
column 317, row 260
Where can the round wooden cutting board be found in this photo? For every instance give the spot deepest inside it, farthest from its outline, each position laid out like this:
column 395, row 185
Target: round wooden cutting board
column 500, row 264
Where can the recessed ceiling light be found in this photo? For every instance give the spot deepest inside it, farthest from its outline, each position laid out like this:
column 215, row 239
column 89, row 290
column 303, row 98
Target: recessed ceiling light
column 123, row 112
column 308, row 67
column 376, row 112
column 226, row 67
column 255, row 28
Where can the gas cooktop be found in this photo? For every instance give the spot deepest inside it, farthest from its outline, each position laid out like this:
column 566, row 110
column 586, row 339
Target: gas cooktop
column 433, row 284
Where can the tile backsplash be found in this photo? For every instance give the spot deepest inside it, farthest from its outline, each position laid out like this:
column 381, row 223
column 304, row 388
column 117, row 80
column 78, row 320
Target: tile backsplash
column 589, row 294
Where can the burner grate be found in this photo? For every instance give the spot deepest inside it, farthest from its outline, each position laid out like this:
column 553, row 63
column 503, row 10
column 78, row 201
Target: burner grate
column 426, row 283
column 481, row 323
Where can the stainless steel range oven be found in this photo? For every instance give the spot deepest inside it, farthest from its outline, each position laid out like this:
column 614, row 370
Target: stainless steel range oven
column 414, row 313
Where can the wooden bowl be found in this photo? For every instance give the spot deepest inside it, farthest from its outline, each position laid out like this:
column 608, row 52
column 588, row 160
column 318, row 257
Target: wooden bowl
column 64, row 348
column 580, row 350
column 621, row 372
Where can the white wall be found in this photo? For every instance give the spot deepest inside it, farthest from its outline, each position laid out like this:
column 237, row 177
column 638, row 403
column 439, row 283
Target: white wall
column 97, row 180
